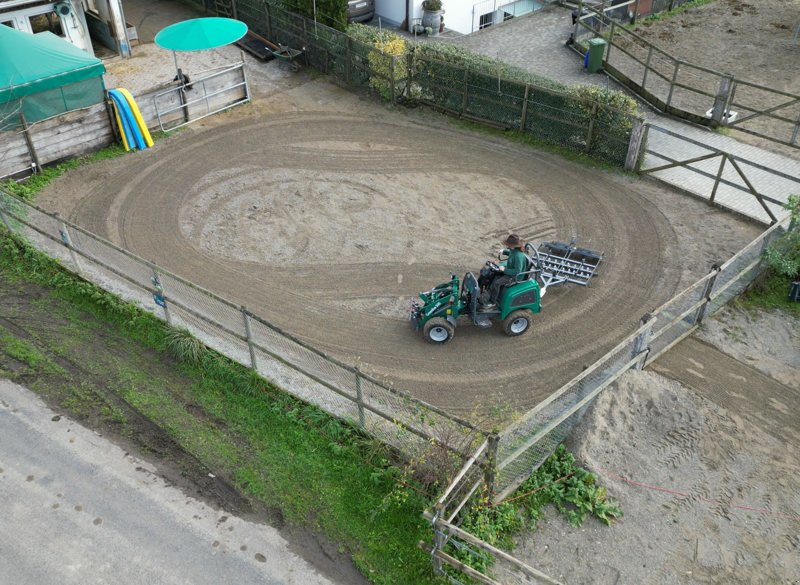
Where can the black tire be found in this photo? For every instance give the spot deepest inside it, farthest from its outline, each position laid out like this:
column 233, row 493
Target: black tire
column 438, row 331
column 518, row 323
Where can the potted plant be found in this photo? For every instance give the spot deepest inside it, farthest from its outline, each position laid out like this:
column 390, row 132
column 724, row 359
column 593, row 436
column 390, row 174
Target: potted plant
column 432, row 15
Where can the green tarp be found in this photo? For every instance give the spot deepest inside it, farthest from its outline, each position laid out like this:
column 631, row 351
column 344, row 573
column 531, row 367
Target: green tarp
column 33, row 63
column 43, row 75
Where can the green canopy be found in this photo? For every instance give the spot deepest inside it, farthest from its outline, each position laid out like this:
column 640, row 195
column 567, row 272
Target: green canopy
column 31, row 64
column 198, row 34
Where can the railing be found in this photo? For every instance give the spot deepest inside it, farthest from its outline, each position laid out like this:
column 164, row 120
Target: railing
column 390, row 415
column 492, row 12
column 178, row 106
column 699, row 94
column 523, row 447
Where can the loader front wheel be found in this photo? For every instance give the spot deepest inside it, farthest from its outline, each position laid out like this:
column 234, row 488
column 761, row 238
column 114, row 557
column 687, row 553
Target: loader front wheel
column 438, row 330
column 518, row 323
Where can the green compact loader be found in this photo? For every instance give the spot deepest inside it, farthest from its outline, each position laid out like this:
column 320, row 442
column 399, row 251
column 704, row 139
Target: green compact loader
column 552, row 263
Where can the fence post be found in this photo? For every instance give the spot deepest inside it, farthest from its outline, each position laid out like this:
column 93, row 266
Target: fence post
column 394, row 79
column 158, row 295
column 641, row 345
column 268, row 20
column 635, row 14
column 465, row 96
column 438, row 539
column 701, row 312
column 672, row 83
column 796, row 131
column 348, row 64
column 610, row 41
column 671, row 5
column 68, row 243
column 360, row 400
column 636, row 145
column 249, row 334
column 647, row 64
column 524, row 114
column 3, row 215
column 26, row 132
column 409, row 73
column 490, row 475
column 721, row 99
column 718, row 178
column 590, row 133
column 234, row 11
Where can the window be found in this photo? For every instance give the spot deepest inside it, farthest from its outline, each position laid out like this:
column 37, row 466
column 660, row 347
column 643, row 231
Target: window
column 49, row 21
column 486, row 20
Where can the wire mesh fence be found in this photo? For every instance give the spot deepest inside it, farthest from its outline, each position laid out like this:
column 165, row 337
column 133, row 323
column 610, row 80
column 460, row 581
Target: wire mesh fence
column 389, row 415
column 700, row 94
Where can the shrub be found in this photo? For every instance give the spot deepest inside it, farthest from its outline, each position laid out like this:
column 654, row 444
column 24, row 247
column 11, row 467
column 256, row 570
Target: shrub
column 783, row 255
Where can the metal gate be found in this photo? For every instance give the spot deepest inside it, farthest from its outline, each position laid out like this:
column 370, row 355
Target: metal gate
column 755, row 184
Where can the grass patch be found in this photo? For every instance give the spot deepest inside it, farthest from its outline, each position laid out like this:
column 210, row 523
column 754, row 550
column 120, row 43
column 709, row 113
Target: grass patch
column 770, row 291
column 27, row 353
column 28, row 188
column 652, row 19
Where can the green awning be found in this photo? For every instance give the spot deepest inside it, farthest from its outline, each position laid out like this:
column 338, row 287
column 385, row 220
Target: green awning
column 199, row 34
column 31, row 64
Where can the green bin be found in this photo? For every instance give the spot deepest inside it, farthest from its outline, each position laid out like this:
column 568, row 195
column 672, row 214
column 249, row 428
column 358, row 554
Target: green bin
column 597, row 48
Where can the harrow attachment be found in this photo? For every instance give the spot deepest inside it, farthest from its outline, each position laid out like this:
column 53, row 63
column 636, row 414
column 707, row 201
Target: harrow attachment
column 560, row 262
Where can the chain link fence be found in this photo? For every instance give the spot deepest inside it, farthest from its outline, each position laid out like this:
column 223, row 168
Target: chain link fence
column 391, row 416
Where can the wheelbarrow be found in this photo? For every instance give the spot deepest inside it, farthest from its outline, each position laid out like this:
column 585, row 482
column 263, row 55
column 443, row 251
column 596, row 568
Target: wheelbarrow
column 288, row 57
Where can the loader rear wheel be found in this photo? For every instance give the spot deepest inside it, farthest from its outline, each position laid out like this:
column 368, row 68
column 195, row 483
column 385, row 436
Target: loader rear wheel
column 518, row 322
column 438, row 330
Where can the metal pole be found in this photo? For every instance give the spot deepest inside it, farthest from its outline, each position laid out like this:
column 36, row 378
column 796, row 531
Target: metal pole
column 672, row 83
column 158, row 295
column 68, row 243
column 641, row 345
column 647, row 64
column 524, row 113
column 249, row 335
column 360, row 400
column 701, row 312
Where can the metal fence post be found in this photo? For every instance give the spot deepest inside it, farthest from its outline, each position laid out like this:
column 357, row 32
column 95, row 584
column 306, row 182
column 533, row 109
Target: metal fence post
column 701, row 312
column 68, row 243
column 610, row 41
column 523, row 116
column 465, row 96
column 721, row 100
column 635, row 14
column 409, row 74
column 268, row 20
column 360, row 400
column 158, row 295
column 647, row 65
column 394, row 78
column 348, row 61
column 248, row 333
column 672, row 83
column 590, row 132
column 641, row 345
column 490, row 475
column 795, row 132
column 636, row 145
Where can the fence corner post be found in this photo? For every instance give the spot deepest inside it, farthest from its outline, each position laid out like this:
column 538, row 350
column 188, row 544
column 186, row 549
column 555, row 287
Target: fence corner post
column 438, row 539
column 641, row 345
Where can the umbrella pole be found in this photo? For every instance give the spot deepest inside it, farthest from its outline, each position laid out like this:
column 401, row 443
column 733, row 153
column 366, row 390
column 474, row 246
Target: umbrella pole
column 180, row 73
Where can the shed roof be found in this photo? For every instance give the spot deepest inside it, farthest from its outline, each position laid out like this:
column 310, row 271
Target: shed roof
column 32, row 63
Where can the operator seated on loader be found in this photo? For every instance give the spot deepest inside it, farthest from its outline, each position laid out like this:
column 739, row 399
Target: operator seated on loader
column 496, row 278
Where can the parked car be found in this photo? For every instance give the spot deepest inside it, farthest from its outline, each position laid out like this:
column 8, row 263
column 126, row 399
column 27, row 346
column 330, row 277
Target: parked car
column 360, row 10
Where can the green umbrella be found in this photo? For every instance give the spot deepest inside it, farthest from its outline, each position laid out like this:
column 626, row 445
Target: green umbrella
column 199, row 34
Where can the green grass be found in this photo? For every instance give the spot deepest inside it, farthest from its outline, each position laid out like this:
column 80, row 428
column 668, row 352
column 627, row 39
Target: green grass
column 675, row 12
column 770, row 291
column 26, row 353
column 317, row 470
column 29, row 187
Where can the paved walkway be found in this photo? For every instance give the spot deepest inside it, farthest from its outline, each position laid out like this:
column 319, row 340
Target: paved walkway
column 537, row 43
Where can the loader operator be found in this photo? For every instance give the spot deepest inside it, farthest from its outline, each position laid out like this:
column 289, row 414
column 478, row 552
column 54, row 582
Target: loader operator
column 517, row 262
